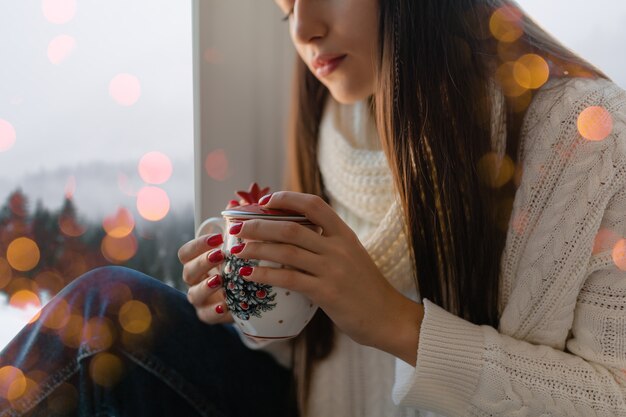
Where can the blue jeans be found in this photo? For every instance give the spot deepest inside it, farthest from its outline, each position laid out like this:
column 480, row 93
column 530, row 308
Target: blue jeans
column 132, row 363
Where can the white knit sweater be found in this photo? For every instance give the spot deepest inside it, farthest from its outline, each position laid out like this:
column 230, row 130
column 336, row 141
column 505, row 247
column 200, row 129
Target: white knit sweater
column 560, row 347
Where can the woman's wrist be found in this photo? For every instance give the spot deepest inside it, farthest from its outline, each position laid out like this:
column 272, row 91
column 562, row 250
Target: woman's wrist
column 400, row 334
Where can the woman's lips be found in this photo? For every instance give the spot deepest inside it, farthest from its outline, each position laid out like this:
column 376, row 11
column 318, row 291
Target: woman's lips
column 324, row 68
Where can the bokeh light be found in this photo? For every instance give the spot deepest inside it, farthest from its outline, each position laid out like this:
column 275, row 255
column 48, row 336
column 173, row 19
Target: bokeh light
column 153, row 203
column 506, row 24
column 59, row 11
column 119, row 225
column 71, row 333
column 69, row 226
column 495, row 172
column 5, row 272
column 135, row 317
column 98, row 333
column 213, row 56
column 619, row 254
column 12, row 383
column 7, row 135
column 216, row 165
column 23, row 254
column 604, row 240
column 50, row 280
column 595, row 123
column 119, row 250
column 505, row 76
column 58, row 315
column 60, row 48
column 155, row 168
column 531, row 71
column 24, row 299
column 106, row 369
column 125, row 89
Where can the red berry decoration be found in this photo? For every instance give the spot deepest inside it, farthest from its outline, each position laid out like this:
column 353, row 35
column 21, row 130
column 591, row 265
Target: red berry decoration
column 253, row 194
column 231, row 285
column 244, row 305
column 261, row 294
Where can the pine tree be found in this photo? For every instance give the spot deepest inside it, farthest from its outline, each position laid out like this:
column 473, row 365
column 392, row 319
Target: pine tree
column 245, row 299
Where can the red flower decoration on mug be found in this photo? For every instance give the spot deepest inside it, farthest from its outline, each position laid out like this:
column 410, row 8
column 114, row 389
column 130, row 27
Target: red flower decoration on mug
column 253, row 194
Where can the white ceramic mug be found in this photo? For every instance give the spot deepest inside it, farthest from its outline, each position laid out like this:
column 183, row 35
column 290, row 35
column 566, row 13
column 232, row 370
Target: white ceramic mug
column 262, row 312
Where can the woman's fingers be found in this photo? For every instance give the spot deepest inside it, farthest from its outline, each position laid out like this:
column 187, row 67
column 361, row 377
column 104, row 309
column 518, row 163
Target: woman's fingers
column 198, row 246
column 208, row 299
column 313, row 207
column 282, row 232
column 281, row 253
column 197, row 269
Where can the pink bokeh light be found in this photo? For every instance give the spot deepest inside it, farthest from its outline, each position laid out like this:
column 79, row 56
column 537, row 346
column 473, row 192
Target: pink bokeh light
column 153, row 203
column 155, row 168
column 60, row 48
column 58, row 11
column 125, row 89
column 7, row 135
column 216, row 165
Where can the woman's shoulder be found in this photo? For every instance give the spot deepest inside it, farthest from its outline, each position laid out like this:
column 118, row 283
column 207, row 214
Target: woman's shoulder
column 592, row 108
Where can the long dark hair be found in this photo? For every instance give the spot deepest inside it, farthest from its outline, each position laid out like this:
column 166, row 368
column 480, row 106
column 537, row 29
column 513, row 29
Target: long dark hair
column 433, row 108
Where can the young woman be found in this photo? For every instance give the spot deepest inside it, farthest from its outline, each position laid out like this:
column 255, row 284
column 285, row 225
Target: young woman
column 469, row 175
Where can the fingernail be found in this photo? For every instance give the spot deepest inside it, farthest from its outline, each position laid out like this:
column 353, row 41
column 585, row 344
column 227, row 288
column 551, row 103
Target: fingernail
column 245, row 271
column 233, row 202
column 215, row 240
column 265, row 199
column 219, row 309
column 214, row 282
column 237, row 248
column 216, row 256
column 235, row 228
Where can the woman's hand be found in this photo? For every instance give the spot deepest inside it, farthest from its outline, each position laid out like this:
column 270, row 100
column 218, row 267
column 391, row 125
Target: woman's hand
column 201, row 258
column 335, row 271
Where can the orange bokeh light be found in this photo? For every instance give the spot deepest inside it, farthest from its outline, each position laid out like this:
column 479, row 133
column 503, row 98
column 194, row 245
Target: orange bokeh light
column 119, row 250
column 58, row 317
column 98, row 333
column 106, row 369
column 595, row 123
column 23, row 254
column 59, row 11
column 120, row 225
column 604, row 240
column 5, row 273
column 506, row 78
column 7, row 135
column 71, row 333
column 12, row 383
column 216, row 165
column 60, row 48
column 135, row 317
column 70, row 227
column 495, row 172
column 125, row 89
column 506, row 24
column 531, row 71
column 153, row 203
column 155, row 168
column 619, row 254
column 24, row 298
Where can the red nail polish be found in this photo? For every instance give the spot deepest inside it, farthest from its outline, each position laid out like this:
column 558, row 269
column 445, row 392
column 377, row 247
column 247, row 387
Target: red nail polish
column 219, row 309
column 216, row 256
column 265, row 199
column 214, row 282
column 235, row 228
column 215, row 240
column 237, row 248
column 245, row 271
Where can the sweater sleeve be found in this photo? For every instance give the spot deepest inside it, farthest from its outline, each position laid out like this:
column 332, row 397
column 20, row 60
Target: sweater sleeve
column 561, row 346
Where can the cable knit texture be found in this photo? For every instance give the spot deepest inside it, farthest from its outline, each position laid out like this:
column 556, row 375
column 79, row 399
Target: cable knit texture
column 560, row 348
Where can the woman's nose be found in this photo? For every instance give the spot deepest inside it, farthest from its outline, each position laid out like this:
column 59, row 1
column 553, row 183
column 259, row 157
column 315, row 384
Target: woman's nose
column 309, row 22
